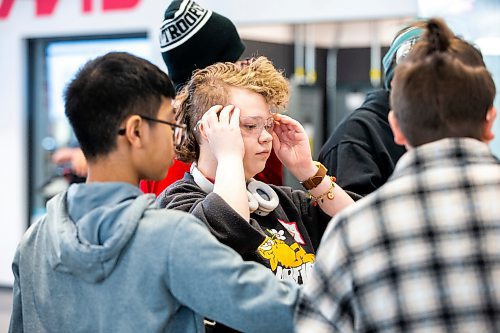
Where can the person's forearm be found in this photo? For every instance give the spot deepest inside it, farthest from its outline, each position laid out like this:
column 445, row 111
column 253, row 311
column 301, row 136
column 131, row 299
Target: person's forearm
column 330, row 199
column 329, row 196
column 230, row 185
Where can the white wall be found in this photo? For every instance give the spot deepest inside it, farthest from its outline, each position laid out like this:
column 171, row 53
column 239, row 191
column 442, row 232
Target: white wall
column 308, row 11
column 67, row 19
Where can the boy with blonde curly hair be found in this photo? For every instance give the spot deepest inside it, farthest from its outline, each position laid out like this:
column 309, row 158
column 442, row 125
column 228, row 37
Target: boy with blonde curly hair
column 228, row 145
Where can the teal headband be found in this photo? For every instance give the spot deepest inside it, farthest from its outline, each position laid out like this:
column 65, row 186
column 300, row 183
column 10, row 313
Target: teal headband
column 408, row 36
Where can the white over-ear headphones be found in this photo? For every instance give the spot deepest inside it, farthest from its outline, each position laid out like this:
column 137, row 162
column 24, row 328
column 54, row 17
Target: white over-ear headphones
column 261, row 197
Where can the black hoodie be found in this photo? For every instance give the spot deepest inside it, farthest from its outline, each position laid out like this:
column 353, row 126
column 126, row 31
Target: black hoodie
column 361, row 151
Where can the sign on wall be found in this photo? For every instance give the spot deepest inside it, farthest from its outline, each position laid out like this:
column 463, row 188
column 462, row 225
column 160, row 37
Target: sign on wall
column 47, row 7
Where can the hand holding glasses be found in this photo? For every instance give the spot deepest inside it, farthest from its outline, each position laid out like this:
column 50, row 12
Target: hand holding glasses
column 291, row 144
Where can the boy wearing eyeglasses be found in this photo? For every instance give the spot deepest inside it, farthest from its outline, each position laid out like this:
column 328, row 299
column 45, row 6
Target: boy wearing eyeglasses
column 232, row 125
column 104, row 258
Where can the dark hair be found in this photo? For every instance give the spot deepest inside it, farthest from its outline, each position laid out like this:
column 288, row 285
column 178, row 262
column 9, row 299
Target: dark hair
column 438, row 38
column 442, row 89
column 106, row 91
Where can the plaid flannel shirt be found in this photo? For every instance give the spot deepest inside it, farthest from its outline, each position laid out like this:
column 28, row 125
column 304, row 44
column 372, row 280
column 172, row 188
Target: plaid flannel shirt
column 421, row 254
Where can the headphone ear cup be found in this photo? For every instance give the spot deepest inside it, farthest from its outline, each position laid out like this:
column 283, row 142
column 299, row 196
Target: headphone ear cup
column 253, row 205
column 261, row 204
column 266, row 203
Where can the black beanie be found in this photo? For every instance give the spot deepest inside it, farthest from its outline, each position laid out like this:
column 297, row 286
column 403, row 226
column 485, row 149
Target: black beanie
column 192, row 37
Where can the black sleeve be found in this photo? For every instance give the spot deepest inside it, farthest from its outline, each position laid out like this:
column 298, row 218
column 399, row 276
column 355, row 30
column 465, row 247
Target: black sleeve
column 222, row 221
column 357, row 169
column 348, row 155
column 317, row 228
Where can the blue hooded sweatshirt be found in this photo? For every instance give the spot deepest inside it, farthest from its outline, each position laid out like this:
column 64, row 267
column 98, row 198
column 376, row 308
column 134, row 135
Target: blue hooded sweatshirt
column 105, row 259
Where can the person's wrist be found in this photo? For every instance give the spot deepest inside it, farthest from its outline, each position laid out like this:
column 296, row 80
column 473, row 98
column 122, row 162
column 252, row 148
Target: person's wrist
column 312, row 175
column 230, row 158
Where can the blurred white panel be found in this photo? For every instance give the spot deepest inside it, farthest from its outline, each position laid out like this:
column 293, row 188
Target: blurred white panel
column 304, row 11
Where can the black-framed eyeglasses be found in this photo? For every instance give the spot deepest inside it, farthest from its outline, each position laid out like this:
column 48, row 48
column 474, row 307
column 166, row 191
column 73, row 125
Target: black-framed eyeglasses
column 178, row 130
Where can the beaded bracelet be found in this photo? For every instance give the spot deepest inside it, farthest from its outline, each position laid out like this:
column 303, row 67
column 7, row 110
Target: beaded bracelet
column 329, row 194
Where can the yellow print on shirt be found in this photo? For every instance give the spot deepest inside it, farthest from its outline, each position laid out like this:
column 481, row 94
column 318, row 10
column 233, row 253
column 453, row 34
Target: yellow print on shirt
column 287, row 261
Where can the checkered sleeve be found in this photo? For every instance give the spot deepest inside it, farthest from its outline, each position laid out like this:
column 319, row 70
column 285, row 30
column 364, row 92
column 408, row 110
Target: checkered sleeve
column 326, row 302
column 310, row 319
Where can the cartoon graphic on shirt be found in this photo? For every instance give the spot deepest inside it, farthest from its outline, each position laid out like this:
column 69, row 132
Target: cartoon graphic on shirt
column 287, row 261
column 293, row 229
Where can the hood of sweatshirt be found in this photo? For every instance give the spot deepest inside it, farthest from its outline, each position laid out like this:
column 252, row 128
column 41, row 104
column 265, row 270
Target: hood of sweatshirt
column 377, row 101
column 91, row 224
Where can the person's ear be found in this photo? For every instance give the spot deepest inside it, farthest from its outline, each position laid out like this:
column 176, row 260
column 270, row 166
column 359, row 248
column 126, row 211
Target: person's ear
column 133, row 131
column 200, row 129
column 399, row 137
column 488, row 134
